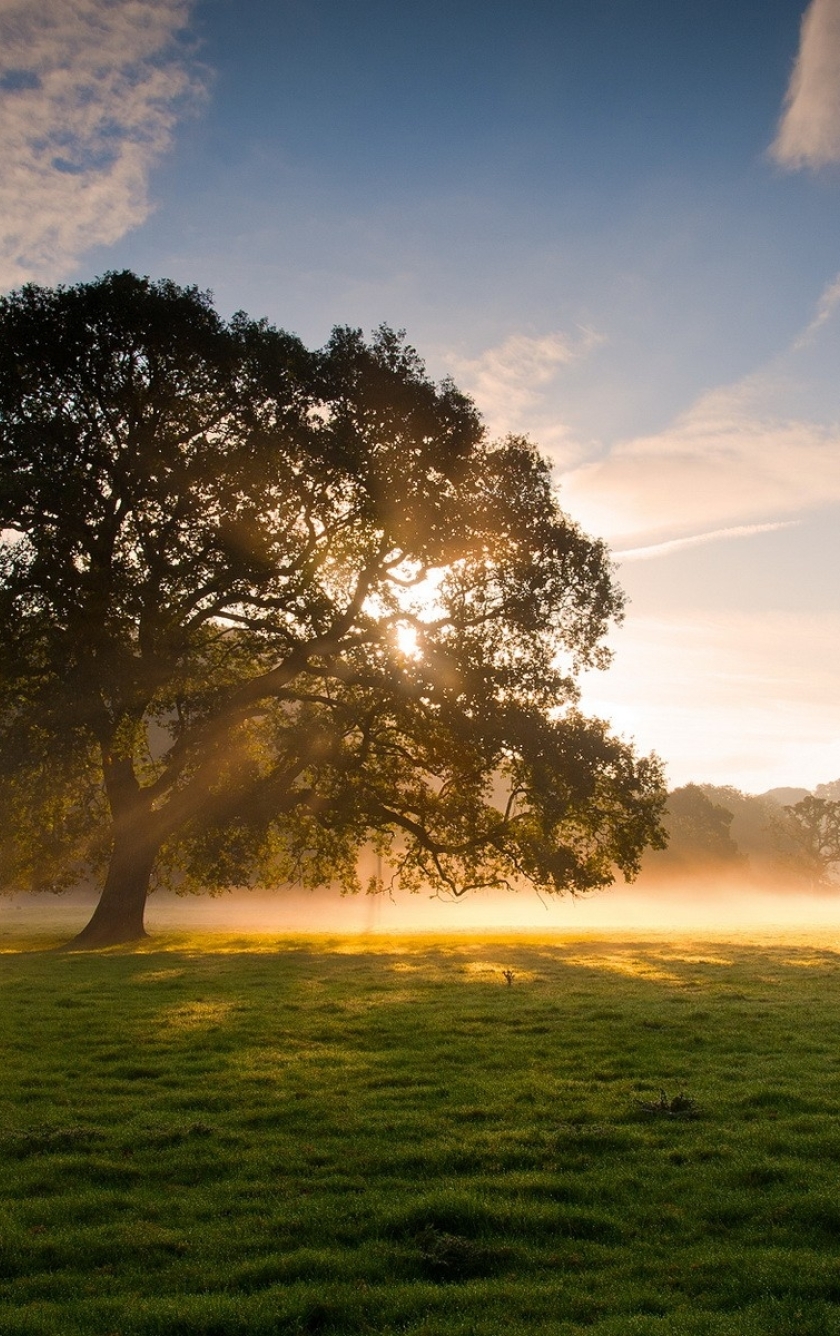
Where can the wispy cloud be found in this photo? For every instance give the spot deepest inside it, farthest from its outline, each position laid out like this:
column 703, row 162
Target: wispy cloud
column 826, row 306
column 509, row 381
column 90, row 91
column 698, row 539
column 809, row 129
column 730, row 461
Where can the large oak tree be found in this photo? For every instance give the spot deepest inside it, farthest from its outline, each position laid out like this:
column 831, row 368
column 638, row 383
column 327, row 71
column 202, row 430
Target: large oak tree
column 264, row 606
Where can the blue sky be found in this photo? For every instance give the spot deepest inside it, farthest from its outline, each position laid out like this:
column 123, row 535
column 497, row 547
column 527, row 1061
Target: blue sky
column 614, row 221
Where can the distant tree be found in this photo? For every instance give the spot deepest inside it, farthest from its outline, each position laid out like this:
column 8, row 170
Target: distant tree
column 752, row 826
column 698, row 832
column 262, row 606
column 831, row 790
column 808, row 834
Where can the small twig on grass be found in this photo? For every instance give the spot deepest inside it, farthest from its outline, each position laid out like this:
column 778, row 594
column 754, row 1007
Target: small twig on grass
column 681, row 1106
column 508, row 977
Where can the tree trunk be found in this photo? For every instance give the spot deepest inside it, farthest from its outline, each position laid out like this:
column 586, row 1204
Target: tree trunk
column 118, row 918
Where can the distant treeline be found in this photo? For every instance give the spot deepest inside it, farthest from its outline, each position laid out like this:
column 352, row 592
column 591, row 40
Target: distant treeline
column 783, row 835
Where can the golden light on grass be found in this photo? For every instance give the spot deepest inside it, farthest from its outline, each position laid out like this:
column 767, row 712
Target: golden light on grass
column 631, row 963
column 195, row 1015
column 158, row 976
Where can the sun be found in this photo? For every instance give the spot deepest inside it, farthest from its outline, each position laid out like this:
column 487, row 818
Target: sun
column 407, row 644
column 419, row 602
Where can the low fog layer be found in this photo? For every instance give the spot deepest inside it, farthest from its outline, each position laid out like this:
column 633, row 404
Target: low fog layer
column 686, row 906
column 693, row 905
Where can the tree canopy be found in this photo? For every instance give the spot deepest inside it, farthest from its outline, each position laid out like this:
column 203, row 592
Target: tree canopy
column 266, row 605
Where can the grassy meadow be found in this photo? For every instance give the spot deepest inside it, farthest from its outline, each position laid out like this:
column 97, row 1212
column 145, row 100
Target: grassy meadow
column 305, row 1135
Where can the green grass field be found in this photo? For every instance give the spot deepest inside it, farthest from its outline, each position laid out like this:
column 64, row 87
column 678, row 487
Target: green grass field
column 314, row 1135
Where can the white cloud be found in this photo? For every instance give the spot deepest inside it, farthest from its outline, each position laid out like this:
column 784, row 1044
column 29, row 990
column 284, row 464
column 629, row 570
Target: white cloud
column 510, row 382
column 809, row 129
column 730, row 460
column 90, row 91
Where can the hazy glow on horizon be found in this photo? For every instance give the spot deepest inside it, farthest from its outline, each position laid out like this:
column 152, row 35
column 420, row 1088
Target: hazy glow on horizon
column 727, row 698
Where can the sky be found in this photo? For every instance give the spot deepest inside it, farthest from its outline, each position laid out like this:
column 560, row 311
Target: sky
column 614, row 222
